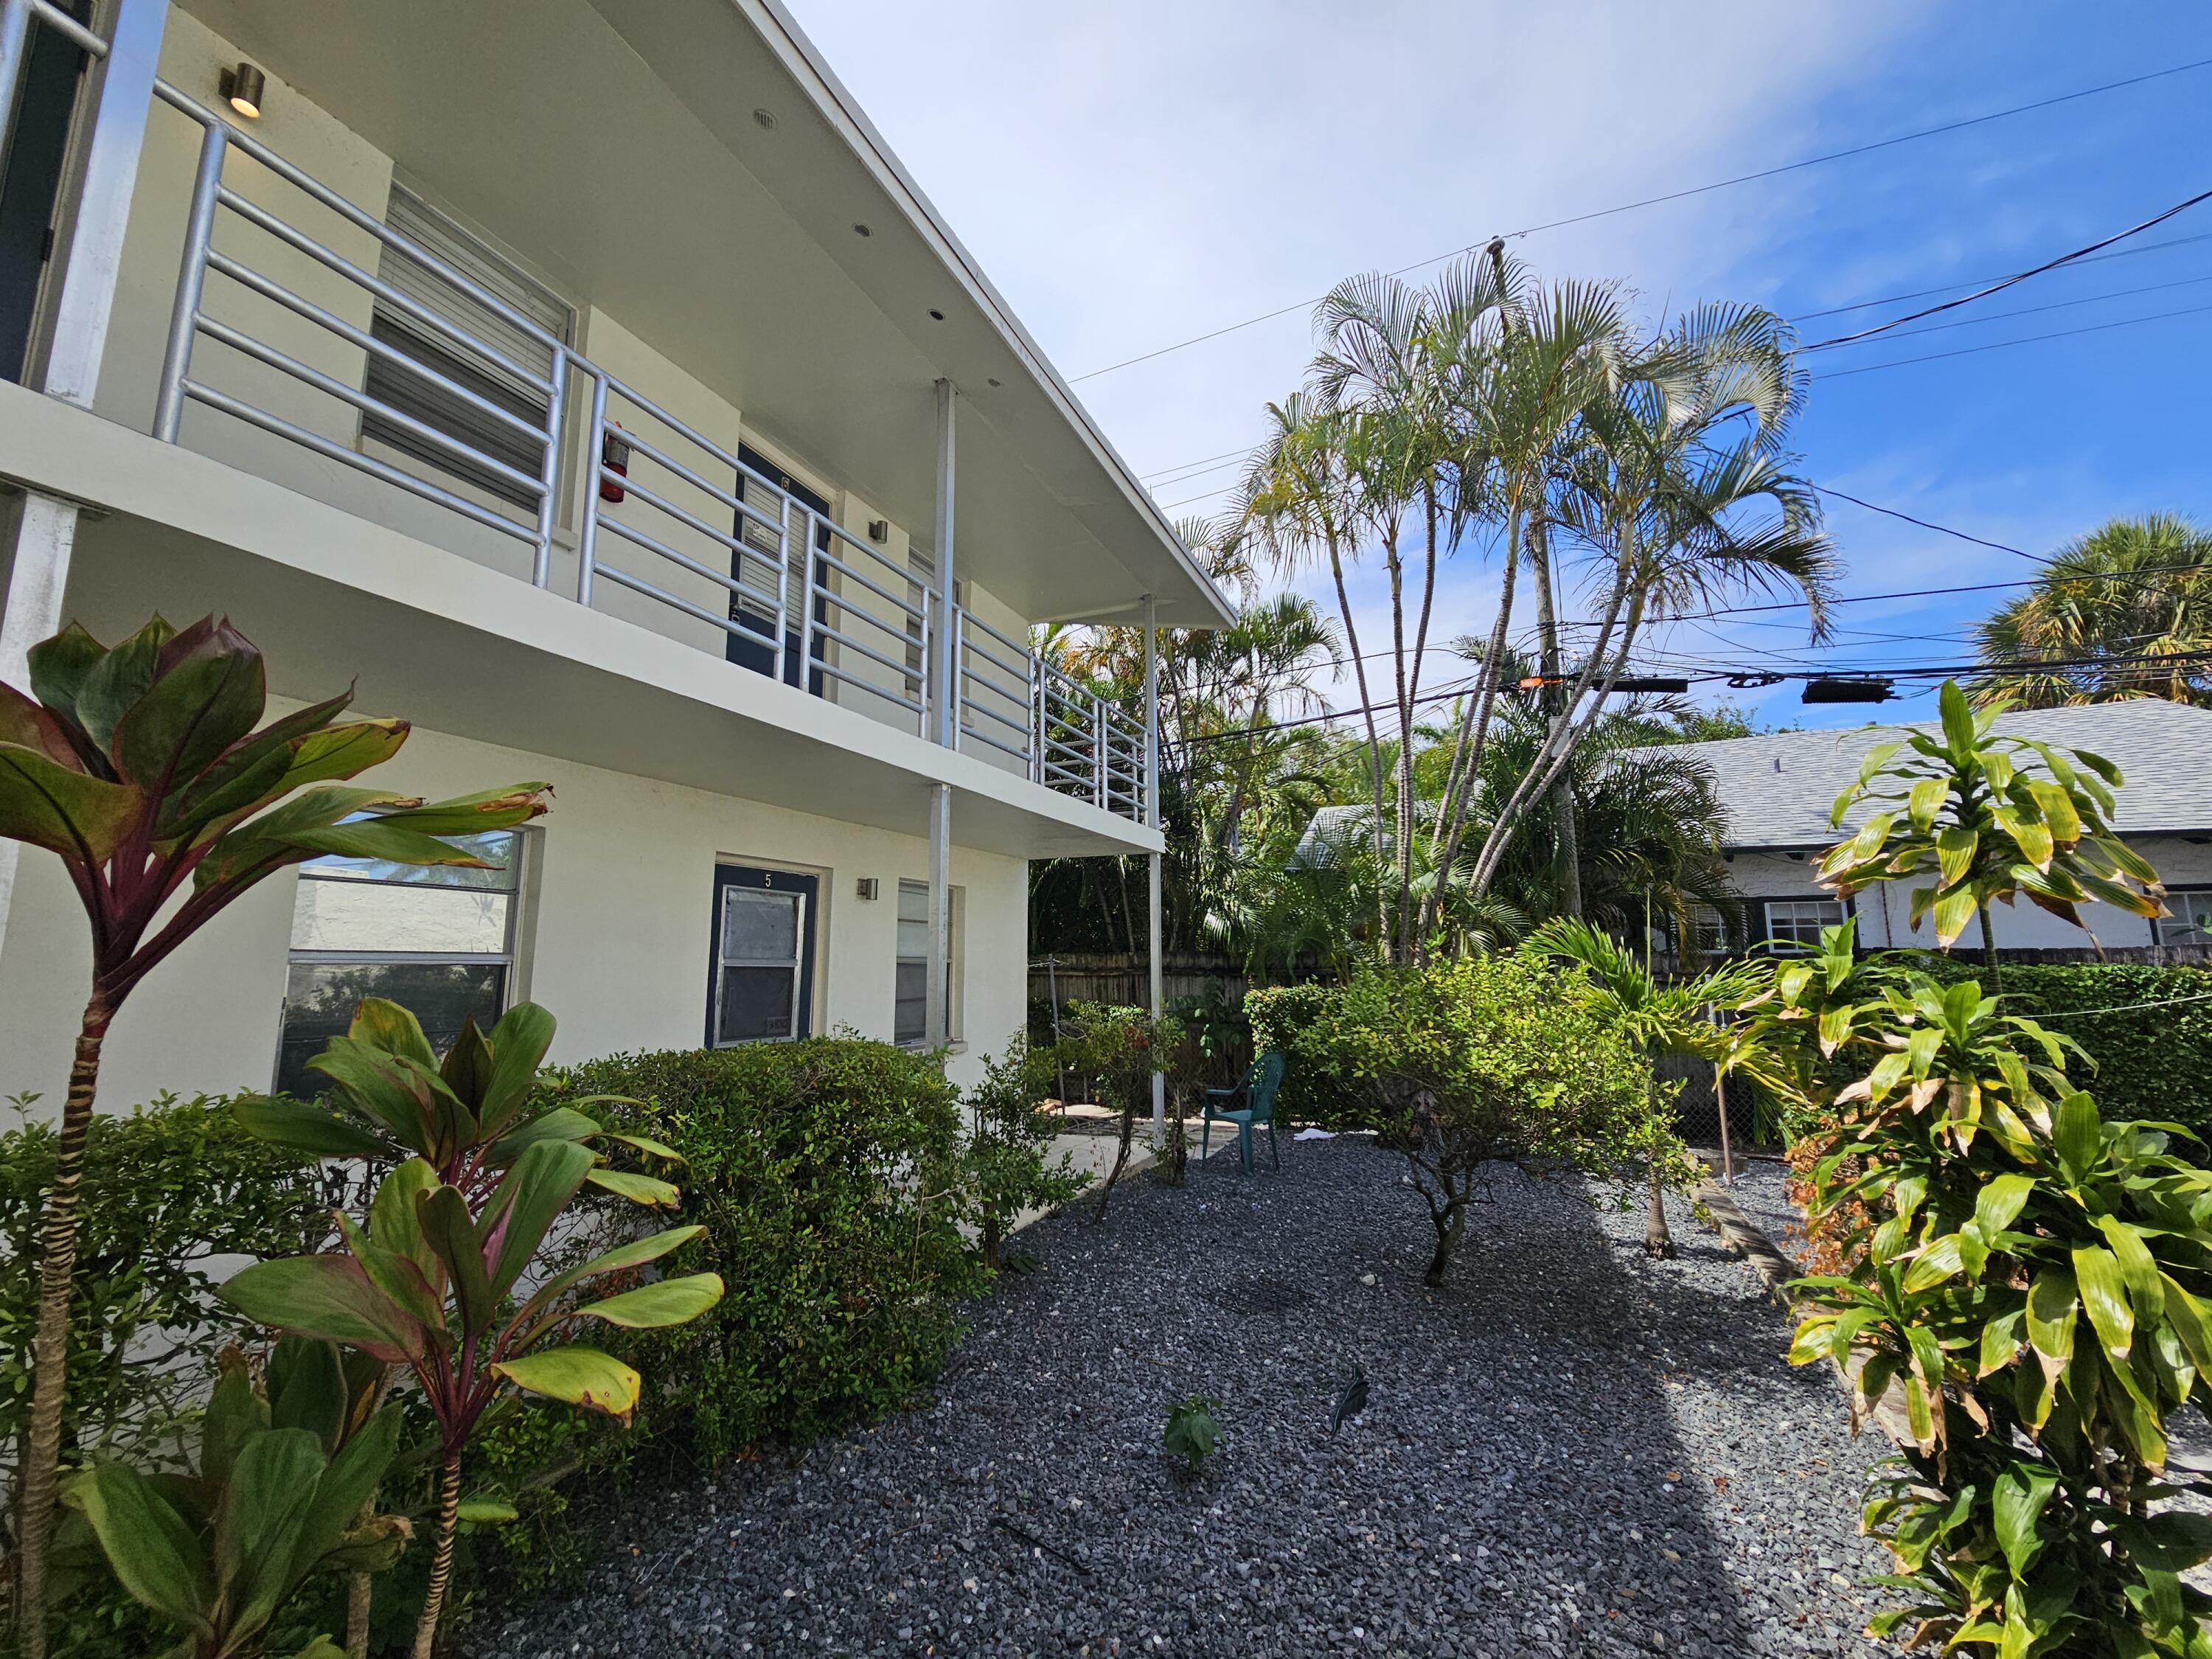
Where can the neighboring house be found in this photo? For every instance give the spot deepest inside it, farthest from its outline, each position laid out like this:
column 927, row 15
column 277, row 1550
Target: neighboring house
column 585, row 381
column 1779, row 789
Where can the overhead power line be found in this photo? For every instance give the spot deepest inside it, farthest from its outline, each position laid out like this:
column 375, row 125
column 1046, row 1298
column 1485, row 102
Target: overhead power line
column 1190, row 471
column 2146, row 664
column 2000, row 345
column 1674, row 196
column 2012, row 280
column 1927, row 524
column 1945, row 288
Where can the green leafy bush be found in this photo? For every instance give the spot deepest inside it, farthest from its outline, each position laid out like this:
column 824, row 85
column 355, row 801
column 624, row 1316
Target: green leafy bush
column 827, row 1174
column 2026, row 1293
column 2150, row 1062
column 1005, row 1165
column 1285, row 1019
column 1466, row 1062
column 169, row 1193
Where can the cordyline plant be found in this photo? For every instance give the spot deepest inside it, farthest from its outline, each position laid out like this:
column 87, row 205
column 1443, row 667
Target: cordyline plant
column 1967, row 814
column 2029, row 1302
column 141, row 769
column 469, row 1115
column 435, row 1281
column 281, row 1489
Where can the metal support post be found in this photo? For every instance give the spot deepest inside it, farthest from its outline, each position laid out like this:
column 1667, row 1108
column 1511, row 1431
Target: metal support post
column 1152, row 817
column 938, row 985
column 945, row 675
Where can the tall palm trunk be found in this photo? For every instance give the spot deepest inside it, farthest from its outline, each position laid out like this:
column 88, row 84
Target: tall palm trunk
column 1563, row 790
column 1366, row 700
column 49, row 1345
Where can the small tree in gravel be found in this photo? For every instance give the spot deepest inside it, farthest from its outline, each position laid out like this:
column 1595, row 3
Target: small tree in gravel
column 1497, row 1060
column 1006, row 1163
column 2029, row 1303
column 1119, row 1049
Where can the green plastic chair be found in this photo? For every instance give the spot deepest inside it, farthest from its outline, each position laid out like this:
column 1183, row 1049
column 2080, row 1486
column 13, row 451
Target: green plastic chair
column 1257, row 1091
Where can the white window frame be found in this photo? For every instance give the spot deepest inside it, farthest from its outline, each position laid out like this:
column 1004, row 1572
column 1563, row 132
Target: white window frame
column 2181, row 927
column 508, row 957
column 1767, row 933
column 952, row 999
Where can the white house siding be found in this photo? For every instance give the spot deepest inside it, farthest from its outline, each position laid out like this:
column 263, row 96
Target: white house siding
column 1883, row 912
column 618, row 929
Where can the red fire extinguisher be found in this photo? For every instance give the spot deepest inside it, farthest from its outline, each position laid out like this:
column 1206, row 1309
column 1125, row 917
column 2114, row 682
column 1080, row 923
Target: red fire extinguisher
column 614, row 456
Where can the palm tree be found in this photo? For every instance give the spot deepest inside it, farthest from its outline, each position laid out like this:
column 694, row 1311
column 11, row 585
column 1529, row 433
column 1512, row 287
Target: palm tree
column 1651, row 823
column 2135, row 589
column 1669, row 1018
column 1680, row 485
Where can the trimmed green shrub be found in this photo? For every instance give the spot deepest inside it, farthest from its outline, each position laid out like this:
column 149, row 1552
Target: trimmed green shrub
column 2154, row 1063
column 1468, row 1062
column 828, row 1175
column 1287, row 1019
column 169, row 1193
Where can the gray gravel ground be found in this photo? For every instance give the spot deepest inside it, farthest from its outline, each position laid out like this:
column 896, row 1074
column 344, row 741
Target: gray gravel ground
column 1569, row 1451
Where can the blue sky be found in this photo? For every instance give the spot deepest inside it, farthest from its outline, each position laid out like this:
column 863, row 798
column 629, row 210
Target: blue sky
column 1131, row 175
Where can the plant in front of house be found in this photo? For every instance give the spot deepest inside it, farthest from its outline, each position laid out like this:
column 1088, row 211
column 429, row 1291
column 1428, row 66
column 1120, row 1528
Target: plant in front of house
column 1669, row 1018
column 468, row 1115
column 280, row 1489
column 141, row 769
column 2026, row 1307
column 1119, row 1049
column 1006, row 1164
column 1468, row 1064
column 430, row 1285
column 1968, row 817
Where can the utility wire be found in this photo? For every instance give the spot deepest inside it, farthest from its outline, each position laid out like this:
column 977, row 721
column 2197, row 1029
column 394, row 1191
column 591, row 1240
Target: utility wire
column 1672, row 196
column 2171, row 659
column 2012, row 281
column 1926, row 523
column 1196, row 470
column 1923, row 293
column 2000, row 345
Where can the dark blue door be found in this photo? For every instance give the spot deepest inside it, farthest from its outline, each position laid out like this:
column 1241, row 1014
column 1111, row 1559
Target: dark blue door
column 760, row 966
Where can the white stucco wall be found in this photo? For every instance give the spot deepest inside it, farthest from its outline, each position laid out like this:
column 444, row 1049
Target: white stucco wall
column 1884, row 911
column 620, row 912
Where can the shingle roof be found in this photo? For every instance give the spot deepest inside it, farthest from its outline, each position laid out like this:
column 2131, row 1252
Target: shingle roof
column 1778, row 789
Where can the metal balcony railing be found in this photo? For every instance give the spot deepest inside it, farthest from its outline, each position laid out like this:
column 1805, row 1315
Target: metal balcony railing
column 800, row 598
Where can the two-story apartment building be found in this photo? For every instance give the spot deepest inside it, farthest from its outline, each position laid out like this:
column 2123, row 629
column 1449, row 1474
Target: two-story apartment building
column 586, row 382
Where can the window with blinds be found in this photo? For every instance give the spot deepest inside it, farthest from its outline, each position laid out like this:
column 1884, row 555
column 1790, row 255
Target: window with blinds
column 475, row 349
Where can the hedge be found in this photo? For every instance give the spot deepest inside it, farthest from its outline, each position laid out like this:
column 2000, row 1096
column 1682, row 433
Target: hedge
column 826, row 1173
column 2152, row 1062
column 174, row 1195
column 1288, row 1020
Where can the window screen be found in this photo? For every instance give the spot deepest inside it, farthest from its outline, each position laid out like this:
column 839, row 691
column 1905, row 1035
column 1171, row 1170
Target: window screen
column 488, row 361
column 760, row 988
column 911, row 1012
column 438, row 941
column 1795, row 925
column 2191, row 921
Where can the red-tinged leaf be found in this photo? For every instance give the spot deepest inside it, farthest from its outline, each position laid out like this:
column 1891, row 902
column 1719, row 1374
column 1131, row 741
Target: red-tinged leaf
column 209, row 688
column 330, row 1297
column 62, row 808
column 25, row 724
